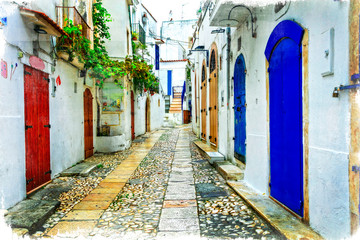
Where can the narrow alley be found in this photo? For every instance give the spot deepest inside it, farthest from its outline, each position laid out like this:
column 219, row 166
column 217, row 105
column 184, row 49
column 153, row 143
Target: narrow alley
column 165, row 189
column 158, row 119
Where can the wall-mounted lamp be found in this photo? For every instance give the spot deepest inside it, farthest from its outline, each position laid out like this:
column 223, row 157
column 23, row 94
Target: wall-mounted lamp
column 229, row 21
column 201, row 49
column 219, row 30
column 39, row 30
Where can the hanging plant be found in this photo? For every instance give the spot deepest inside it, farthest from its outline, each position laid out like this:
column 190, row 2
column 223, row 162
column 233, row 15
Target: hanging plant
column 97, row 60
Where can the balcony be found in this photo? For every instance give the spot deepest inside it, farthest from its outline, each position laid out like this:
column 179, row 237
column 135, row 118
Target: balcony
column 137, row 28
column 63, row 13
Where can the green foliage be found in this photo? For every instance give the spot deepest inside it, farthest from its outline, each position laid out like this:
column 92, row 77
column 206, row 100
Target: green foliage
column 96, row 59
column 188, row 73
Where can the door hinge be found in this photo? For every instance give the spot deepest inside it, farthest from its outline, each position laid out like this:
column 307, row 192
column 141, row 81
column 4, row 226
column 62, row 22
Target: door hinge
column 46, row 79
column 48, row 126
column 209, row 108
column 28, row 126
column 233, row 138
column 215, row 139
column 209, row 79
column 269, row 184
column 210, row 137
column 201, row 87
column 48, row 172
column 29, row 181
column 268, row 70
column 301, row 204
column 27, row 73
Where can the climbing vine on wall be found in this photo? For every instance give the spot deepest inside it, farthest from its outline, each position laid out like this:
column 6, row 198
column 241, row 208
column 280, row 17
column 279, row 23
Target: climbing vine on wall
column 96, row 59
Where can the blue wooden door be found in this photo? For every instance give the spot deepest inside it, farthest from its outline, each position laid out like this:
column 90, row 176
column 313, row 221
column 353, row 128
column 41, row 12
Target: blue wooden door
column 286, row 150
column 169, row 83
column 240, row 109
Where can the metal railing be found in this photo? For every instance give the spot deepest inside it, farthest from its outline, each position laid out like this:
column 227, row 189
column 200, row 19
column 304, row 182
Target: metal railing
column 177, row 90
column 63, row 13
column 137, row 28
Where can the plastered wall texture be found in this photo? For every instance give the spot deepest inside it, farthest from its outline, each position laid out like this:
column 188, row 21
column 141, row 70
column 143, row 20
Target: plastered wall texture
column 329, row 118
column 66, row 107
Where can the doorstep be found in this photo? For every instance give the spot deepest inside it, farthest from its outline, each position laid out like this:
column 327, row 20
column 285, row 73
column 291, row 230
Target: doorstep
column 283, row 221
column 227, row 170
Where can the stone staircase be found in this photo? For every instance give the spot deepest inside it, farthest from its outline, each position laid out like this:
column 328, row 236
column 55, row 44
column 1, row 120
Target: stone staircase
column 175, row 106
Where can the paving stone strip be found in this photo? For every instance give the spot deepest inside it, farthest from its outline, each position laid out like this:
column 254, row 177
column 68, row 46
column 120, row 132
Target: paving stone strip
column 84, row 216
column 179, row 217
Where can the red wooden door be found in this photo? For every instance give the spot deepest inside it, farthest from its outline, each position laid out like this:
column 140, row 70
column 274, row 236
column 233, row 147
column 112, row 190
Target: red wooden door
column 132, row 116
column 37, row 128
column 88, row 124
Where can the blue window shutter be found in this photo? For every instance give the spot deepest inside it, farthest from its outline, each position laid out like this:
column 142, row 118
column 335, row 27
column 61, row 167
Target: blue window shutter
column 169, row 81
column 157, row 57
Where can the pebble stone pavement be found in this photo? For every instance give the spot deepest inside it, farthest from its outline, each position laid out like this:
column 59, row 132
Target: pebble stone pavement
column 175, row 193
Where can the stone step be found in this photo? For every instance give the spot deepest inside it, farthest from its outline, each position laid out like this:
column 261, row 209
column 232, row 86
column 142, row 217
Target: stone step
column 82, row 169
column 280, row 219
column 230, row 172
column 227, row 170
column 30, row 214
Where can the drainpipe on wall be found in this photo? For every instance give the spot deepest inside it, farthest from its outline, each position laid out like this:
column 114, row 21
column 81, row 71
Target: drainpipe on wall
column 228, row 52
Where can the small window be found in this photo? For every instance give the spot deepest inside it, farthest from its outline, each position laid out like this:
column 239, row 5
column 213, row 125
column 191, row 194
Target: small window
column 239, row 43
column 212, row 61
column 203, row 74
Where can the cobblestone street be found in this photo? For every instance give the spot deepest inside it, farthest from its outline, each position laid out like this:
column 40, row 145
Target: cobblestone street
column 163, row 189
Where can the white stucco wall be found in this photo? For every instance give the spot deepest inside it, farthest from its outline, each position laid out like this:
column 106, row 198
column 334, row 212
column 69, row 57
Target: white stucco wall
column 157, row 106
column 66, row 108
column 156, row 112
column 328, row 117
column 118, row 27
column 12, row 132
column 66, row 119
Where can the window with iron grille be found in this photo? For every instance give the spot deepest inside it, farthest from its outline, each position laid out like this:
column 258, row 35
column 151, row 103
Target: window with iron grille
column 212, row 61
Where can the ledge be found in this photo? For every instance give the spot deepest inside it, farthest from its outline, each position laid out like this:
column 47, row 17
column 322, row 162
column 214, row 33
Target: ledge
column 280, row 219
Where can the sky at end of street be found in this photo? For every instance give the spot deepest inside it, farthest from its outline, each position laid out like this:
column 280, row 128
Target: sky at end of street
column 181, row 9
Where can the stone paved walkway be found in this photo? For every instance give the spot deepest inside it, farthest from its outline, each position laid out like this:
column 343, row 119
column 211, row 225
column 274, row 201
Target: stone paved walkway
column 179, row 214
column 165, row 189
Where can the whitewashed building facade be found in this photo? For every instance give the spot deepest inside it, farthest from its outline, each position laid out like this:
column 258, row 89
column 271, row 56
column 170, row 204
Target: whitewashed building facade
column 308, row 50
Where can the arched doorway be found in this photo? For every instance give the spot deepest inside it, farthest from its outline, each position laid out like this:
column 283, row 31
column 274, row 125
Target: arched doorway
column 88, row 124
column 240, row 109
column 132, row 116
column 284, row 54
column 213, row 98
column 147, row 115
column 203, row 101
